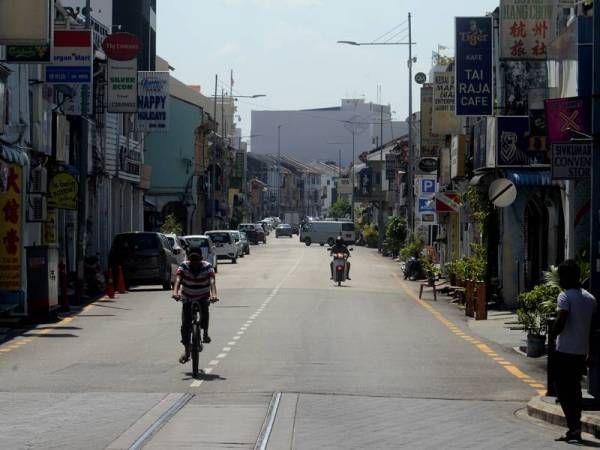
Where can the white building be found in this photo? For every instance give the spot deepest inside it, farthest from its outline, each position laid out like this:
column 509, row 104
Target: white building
column 318, row 134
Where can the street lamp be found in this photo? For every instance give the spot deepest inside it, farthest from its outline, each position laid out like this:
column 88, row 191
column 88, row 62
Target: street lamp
column 410, row 43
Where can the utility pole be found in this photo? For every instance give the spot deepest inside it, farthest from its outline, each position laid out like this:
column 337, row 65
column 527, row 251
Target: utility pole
column 353, row 175
column 213, row 180
column 83, row 168
column 279, row 171
column 381, row 218
column 411, row 150
column 594, row 375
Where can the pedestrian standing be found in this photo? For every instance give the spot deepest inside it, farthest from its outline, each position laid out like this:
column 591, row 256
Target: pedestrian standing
column 575, row 307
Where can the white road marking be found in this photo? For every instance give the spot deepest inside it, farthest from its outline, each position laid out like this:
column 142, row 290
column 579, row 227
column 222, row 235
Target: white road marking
column 243, row 328
column 196, row 383
column 232, row 343
column 240, row 333
column 208, row 370
column 226, row 349
column 221, row 355
column 214, row 362
column 236, row 337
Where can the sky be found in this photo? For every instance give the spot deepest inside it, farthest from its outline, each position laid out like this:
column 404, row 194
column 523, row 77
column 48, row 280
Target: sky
column 287, row 49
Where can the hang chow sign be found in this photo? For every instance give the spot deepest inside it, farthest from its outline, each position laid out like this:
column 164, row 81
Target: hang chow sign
column 526, row 28
column 153, row 101
column 444, row 120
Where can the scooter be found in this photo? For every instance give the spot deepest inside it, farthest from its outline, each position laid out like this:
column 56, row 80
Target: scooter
column 413, row 270
column 340, row 267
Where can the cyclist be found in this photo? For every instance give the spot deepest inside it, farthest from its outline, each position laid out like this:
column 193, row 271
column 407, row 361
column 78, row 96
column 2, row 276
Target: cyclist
column 340, row 247
column 195, row 282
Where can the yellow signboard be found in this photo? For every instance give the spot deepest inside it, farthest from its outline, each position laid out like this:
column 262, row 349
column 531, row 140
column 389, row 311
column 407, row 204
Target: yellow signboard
column 50, row 237
column 11, row 244
column 62, row 190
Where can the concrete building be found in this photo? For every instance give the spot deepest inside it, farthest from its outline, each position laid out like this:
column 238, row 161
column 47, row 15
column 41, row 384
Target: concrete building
column 308, row 135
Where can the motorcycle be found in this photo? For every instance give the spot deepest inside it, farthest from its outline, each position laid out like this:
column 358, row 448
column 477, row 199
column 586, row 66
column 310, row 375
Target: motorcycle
column 340, row 267
column 413, row 269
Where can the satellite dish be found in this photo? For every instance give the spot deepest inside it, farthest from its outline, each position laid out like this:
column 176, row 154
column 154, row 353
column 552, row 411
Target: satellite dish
column 502, row 192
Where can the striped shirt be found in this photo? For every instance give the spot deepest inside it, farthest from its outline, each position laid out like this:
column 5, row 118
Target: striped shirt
column 195, row 285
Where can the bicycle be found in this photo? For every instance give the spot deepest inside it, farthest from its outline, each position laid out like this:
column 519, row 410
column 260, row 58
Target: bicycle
column 196, row 345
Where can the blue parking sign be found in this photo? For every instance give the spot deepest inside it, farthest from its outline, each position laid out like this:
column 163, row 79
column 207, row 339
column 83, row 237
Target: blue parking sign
column 426, row 205
column 428, row 186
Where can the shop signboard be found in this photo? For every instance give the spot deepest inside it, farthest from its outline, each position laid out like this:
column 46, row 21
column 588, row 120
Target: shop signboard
column 11, row 244
column 526, row 28
column 72, row 58
column 392, row 165
column 447, row 202
column 26, row 22
column 512, row 143
column 568, row 118
column 29, row 54
column 122, row 88
column 62, row 191
column 153, row 101
column 431, row 143
column 571, row 160
column 457, row 156
column 474, row 70
column 444, row 119
column 480, row 144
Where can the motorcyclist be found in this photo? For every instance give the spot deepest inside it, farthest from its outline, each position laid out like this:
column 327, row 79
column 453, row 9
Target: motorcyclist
column 340, row 247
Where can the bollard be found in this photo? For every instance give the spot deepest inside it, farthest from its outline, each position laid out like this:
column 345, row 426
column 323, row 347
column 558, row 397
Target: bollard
column 550, row 389
column 63, row 298
column 121, row 289
column 110, row 288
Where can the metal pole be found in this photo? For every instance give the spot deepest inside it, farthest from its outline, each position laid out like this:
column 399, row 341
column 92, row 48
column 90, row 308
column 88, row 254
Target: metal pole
column 594, row 375
column 411, row 156
column 83, row 170
column 279, row 171
column 381, row 217
column 213, row 180
column 353, row 173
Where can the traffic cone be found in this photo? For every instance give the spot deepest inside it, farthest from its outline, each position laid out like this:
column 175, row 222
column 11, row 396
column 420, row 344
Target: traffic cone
column 121, row 289
column 110, row 287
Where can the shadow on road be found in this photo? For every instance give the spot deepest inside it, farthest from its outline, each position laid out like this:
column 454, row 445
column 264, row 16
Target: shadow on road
column 96, row 315
column 111, row 307
column 53, row 335
column 58, row 328
column 204, row 377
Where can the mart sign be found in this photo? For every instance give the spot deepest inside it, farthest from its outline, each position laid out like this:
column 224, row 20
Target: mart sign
column 72, row 58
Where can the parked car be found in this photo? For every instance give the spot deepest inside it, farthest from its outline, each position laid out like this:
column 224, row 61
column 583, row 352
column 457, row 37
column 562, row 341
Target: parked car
column 283, row 230
column 178, row 247
column 237, row 239
column 266, row 226
column 146, row 258
column 245, row 241
column 251, row 233
column 205, row 245
column 225, row 246
column 262, row 236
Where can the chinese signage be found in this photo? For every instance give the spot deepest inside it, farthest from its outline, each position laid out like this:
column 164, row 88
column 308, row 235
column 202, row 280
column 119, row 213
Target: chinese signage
column 62, row 191
column 49, row 229
column 71, row 58
column 430, row 143
column 153, row 101
column 513, row 144
column 571, row 160
column 568, row 118
column 29, row 54
column 10, row 229
column 474, row 73
column 526, row 28
column 444, row 120
column 122, row 88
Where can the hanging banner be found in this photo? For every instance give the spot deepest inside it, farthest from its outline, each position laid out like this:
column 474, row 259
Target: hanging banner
column 512, row 142
column 153, row 101
column 122, row 87
column 72, row 58
column 431, row 143
column 444, row 119
column 526, row 28
column 11, row 244
column 474, row 71
column 568, row 118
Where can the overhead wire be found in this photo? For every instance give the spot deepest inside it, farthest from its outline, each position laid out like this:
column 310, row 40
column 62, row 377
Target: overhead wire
column 391, row 31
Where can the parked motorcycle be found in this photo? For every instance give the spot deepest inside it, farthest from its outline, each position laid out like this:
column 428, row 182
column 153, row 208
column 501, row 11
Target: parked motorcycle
column 413, row 269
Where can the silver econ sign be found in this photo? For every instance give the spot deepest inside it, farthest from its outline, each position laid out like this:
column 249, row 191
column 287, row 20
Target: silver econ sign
column 571, row 160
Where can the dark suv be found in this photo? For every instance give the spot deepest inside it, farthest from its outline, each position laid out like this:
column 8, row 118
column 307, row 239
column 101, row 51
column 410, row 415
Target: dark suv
column 146, row 258
column 251, row 232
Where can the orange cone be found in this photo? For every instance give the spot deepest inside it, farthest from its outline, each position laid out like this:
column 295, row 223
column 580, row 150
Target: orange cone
column 110, row 287
column 121, row 289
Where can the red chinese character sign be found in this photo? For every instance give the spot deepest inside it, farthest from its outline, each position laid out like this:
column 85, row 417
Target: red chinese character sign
column 11, row 217
column 526, row 28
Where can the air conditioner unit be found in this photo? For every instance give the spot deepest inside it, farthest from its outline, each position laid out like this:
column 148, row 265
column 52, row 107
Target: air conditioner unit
column 38, row 184
column 37, row 210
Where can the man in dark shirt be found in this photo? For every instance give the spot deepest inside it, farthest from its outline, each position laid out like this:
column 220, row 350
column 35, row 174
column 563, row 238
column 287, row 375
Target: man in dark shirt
column 340, row 247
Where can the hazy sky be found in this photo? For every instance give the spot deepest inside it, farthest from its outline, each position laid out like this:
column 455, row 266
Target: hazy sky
column 287, row 48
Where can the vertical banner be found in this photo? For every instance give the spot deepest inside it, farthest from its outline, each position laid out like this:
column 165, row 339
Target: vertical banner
column 431, row 143
column 122, row 88
column 444, row 119
column 512, row 142
column 11, row 244
column 568, row 118
column 153, row 101
column 526, row 28
column 474, row 70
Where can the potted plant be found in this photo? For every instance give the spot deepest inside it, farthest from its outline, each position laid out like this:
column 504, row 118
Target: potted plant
column 451, row 270
column 534, row 308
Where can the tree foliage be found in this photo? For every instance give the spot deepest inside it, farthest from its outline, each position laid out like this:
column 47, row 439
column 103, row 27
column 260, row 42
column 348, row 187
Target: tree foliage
column 171, row 226
column 340, row 209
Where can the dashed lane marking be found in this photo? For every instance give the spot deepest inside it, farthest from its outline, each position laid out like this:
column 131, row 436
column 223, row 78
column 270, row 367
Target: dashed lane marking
column 485, row 349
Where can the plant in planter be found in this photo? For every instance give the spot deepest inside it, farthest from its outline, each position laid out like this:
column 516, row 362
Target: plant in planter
column 429, row 269
column 534, row 309
column 414, row 246
column 370, row 235
column 451, row 271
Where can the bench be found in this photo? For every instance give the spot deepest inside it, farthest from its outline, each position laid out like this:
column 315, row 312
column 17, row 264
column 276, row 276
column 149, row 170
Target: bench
column 434, row 286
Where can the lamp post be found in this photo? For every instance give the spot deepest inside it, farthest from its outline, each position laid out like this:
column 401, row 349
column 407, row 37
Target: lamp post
column 410, row 43
column 279, row 171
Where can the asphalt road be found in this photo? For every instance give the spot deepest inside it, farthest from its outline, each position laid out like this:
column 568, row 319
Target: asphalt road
column 361, row 366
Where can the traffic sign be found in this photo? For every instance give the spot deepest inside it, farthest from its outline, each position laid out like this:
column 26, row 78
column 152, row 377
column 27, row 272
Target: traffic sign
column 447, row 202
column 502, row 193
column 420, row 78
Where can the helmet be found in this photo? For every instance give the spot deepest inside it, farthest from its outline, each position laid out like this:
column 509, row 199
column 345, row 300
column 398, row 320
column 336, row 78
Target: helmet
column 339, row 240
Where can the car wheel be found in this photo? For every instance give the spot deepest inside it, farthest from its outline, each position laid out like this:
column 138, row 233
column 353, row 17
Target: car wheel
column 307, row 241
column 216, row 268
column 167, row 283
column 233, row 260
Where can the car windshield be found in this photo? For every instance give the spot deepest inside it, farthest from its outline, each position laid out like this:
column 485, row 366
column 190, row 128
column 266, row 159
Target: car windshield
column 197, row 242
column 220, row 238
column 284, row 226
column 136, row 242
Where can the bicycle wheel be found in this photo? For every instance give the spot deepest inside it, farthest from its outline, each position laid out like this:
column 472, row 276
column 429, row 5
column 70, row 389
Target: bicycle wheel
column 196, row 349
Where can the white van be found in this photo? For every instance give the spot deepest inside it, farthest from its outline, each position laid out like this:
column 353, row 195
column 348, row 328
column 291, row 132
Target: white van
column 325, row 232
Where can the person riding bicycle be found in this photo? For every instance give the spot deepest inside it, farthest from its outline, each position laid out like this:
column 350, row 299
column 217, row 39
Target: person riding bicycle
column 195, row 282
column 340, row 247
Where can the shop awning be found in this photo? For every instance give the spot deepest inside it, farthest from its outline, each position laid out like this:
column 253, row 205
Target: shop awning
column 530, row 177
column 13, row 155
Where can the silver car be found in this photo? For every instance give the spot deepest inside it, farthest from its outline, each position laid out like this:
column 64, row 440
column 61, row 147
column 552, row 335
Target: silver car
column 205, row 245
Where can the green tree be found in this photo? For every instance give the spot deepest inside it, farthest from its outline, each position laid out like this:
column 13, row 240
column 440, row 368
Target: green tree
column 396, row 233
column 340, row 209
column 171, row 226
